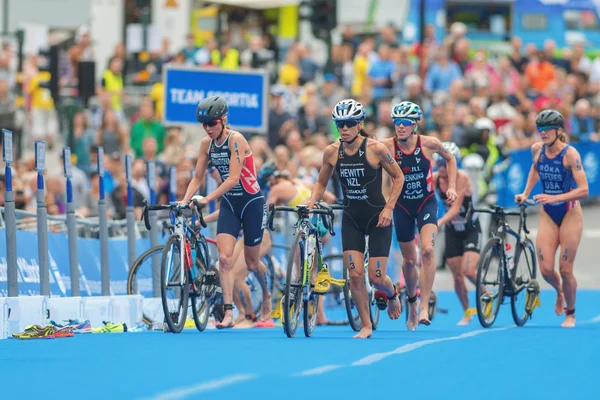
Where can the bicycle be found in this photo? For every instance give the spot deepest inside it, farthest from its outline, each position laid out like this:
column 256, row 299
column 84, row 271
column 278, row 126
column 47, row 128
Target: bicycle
column 198, row 280
column 496, row 248
column 298, row 292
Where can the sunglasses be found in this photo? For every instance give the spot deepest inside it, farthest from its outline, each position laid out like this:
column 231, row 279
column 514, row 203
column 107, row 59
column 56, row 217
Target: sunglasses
column 546, row 128
column 211, row 123
column 404, row 122
column 350, row 123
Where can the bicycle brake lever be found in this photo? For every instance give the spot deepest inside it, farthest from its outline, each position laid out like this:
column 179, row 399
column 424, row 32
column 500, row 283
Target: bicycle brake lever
column 146, row 218
column 271, row 217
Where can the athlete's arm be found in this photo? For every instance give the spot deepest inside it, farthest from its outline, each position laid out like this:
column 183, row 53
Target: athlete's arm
column 324, row 174
column 212, row 217
column 573, row 161
column 533, row 176
column 273, row 195
column 391, row 167
column 237, row 146
column 199, row 177
column 436, row 146
column 463, row 184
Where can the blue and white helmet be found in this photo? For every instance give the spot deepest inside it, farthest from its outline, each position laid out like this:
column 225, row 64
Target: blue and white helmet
column 407, row 110
column 348, row 109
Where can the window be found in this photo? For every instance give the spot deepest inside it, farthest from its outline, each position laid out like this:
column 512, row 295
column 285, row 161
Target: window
column 481, row 17
column 534, row 22
column 584, row 20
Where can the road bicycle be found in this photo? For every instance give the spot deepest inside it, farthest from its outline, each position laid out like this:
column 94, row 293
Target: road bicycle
column 186, row 272
column 500, row 276
column 305, row 257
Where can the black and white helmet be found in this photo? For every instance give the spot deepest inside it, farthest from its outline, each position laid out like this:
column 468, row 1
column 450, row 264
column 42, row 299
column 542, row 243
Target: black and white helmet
column 348, row 109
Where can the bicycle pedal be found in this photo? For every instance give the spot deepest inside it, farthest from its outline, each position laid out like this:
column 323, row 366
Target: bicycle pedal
column 381, row 299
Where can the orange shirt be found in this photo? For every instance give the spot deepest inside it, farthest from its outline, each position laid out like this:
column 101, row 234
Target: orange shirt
column 540, row 75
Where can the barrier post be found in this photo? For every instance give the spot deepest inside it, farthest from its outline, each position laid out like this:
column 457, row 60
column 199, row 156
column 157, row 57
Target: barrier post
column 42, row 218
column 10, row 216
column 129, row 213
column 151, row 176
column 71, row 225
column 172, row 183
column 103, row 226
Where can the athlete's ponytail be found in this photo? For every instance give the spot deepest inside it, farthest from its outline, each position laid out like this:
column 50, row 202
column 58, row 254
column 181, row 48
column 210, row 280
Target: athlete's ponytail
column 364, row 133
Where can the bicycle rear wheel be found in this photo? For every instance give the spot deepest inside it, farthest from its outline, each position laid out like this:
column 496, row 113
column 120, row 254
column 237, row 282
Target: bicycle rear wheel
column 522, row 274
column 200, row 307
column 489, row 288
column 311, row 308
column 292, row 301
column 174, row 290
column 139, row 281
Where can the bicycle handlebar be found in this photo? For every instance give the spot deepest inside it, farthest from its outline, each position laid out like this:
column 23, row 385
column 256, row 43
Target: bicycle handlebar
column 303, row 211
column 500, row 211
column 173, row 207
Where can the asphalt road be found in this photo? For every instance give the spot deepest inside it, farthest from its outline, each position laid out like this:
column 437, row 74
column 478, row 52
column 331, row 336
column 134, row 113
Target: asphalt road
column 587, row 262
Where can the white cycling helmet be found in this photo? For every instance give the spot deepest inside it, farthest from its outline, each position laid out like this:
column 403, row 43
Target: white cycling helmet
column 473, row 162
column 348, row 109
column 485, row 123
column 408, row 110
column 451, row 148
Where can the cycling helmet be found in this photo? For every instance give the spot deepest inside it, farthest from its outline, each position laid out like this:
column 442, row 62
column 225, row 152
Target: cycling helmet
column 266, row 172
column 482, row 124
column 451, row 148
column 211, row 108
column 550, row 118
column 407, row 110
column 473, row 162
column 348, row 109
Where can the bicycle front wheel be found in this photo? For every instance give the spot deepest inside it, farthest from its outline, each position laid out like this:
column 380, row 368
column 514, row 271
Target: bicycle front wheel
column 174, row 286
column 139, row 281
column 292, row 301
column 490, row 282
column 524, row 271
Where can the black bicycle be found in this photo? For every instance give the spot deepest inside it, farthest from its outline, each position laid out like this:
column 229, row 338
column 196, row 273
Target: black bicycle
column 499, row 275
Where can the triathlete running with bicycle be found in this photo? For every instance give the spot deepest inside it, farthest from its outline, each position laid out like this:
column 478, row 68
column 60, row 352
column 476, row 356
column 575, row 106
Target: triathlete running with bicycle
column 417, row 204
column 242, row 205
column 559, row 168
column 358, row 162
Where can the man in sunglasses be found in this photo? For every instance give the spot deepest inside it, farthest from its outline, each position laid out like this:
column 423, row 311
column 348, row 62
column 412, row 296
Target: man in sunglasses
column 243, row 206
column 359, row 162
column 417, row 205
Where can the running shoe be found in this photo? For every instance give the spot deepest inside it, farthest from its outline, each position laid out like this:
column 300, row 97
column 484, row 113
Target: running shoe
column 265, row 324
column 63, row 332
column 35, row 332
column 78, row 327
column 109, row 327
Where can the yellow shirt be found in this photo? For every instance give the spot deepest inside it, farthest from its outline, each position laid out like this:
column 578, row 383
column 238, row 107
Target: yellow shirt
column 157, row 94
column 289, row 75
column 41, row 98
column 361, row 68
column 113, row 84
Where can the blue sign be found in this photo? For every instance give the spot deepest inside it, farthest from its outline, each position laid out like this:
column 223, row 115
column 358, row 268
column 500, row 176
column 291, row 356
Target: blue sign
column 512, row 180
column 245, row 92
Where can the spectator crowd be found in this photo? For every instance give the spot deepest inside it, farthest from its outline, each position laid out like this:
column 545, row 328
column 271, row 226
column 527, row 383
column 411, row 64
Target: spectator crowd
column 470, row 96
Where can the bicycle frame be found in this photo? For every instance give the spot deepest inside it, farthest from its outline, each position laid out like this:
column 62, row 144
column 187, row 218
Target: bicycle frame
column 504, row 228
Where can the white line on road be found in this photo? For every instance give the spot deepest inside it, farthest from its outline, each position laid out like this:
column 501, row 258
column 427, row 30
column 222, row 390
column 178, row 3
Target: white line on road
column 319, row 370
column 204, row 387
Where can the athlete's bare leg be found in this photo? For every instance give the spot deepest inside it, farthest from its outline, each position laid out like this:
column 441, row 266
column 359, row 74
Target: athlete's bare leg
column 427, row 275
column 546, row 245
column 570, row 236
column 252, row 256
column 226, row 245
column 379, row 279
column 411, row 278
column 355, row 262
column 456, row 267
